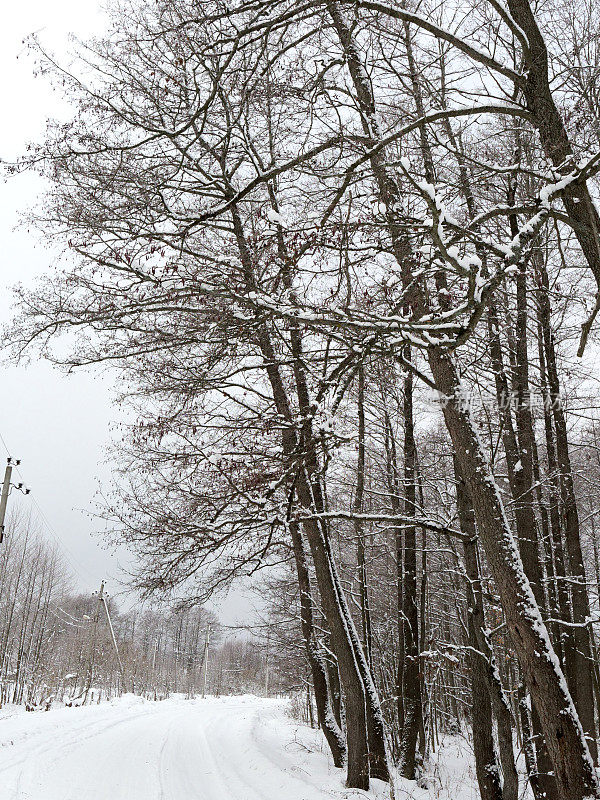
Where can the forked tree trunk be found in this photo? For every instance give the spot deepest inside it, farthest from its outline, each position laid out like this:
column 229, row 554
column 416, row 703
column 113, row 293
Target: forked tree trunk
column 360, row 695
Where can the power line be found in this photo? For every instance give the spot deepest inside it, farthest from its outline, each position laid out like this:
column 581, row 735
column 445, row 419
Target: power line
column 57, row 539
column 65, row 621
column 62, row 611
column 67, row 552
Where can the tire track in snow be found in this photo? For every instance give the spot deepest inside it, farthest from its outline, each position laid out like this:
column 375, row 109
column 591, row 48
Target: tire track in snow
column 214, row 749
column 93, row 728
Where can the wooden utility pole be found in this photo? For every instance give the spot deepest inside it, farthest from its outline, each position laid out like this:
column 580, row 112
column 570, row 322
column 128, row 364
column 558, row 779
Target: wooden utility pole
column 90, row 677
column 114, row 640
column 6, row 491
column 205, row 659
column 154, row 665
column 267, row 666
column 4, row 496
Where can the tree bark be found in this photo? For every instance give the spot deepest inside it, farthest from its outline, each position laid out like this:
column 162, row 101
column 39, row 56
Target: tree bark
column 554, row 137
column 486, row 762
column 411, row 684
column 394, row 490
column 358, row 525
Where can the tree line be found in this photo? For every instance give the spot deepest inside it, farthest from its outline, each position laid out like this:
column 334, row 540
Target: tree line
column 56, row 643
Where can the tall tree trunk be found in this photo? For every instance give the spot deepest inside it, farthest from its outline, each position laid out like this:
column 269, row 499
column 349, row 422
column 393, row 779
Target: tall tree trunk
column 355, row 674
column 562, row 587
column 527, row 530
column 499, row 702
column 394, row 495
column 410, row 618
column 486, row 661
column 583, row 691
column 325, row 715
column 377, row 752
column 486, row 762
column 358, row 525
column 554, row 137
column 519, row 456
column 519, row 469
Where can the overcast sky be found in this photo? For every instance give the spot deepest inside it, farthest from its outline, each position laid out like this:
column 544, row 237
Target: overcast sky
column 58, row 425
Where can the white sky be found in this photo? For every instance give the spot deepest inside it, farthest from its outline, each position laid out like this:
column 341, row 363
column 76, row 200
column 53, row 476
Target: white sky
column 57, row 425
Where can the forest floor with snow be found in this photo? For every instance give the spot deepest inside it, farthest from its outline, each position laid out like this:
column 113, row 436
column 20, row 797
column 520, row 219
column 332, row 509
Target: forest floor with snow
column 228, row 748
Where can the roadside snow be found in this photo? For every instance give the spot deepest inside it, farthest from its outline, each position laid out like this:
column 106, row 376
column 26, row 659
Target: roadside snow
column 230, row 748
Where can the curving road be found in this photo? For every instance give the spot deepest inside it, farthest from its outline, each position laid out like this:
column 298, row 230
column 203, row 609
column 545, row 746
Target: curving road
column 243, row 748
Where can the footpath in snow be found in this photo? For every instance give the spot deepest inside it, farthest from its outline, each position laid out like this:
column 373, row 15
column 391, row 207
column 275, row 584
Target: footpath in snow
column 229, row 748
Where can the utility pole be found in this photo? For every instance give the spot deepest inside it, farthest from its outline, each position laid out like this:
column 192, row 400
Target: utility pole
column 6, row 491
column 4, row 496
column 90, row 677
column 267, row 665
column 154, row 665
column 114, row 640
column 206, row 643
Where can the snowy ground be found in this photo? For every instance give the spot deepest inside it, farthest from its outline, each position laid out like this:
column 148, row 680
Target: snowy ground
column 230, row 748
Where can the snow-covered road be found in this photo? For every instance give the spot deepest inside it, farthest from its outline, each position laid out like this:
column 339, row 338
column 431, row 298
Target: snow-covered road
column 243, row 748
column 230, row 748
